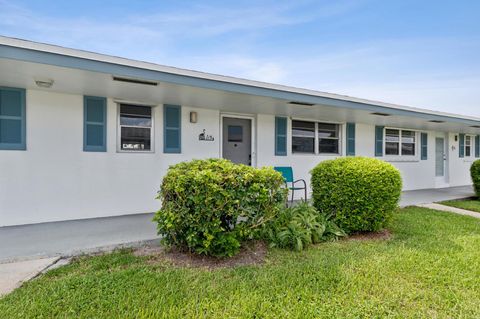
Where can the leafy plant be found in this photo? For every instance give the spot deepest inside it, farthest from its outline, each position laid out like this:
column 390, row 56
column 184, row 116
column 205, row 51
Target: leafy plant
column 359, row 193
column 299, row 226
column 210, row 206
column 475, row 174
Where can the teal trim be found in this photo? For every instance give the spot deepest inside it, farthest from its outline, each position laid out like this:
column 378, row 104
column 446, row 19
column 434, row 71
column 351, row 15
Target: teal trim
column 423, row 146
column 172, row 128
column 280, row 136
column 13, row 125
column 94, row 124
column 461, row 147
column 379, row 140
column 22, row 54
column 477, row 145
column 350, row 139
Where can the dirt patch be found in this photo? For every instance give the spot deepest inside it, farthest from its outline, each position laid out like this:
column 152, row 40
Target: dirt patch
column 380, row 235
column 252, row 253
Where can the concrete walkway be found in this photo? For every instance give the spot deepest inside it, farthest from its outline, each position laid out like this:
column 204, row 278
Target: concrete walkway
column 72, row 237
column 451, row 209
column 12, row 275
column 427, row 196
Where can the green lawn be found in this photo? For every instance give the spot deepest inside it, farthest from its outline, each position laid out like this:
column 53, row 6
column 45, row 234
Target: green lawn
column 430, row 269
column 469, row 204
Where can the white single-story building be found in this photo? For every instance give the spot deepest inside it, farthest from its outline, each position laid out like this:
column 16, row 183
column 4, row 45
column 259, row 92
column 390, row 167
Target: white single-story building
column 86, row 135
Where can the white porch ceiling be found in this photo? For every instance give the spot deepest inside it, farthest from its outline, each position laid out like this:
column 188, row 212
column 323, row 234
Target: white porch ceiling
column 16, row 73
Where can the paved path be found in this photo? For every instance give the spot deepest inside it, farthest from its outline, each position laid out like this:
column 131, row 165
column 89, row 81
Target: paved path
column 427, row 196
column 12, row 275
column 451, row 209
column 73, row 237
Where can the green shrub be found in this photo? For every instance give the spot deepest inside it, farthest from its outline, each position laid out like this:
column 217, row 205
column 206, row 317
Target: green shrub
column 211, row 206
column 360, row 193
column 475, row 174
column 299, row 226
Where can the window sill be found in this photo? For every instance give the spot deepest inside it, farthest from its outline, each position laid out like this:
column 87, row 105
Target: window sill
column 313, row 154
column 469, row 160
column 135, row 152
column 401, row 159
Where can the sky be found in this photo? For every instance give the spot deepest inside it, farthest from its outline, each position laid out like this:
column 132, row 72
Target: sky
column 416, row 53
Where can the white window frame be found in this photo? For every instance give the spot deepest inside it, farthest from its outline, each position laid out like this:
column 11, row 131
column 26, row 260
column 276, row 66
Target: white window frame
column 400, row 155
column 316, row 146
column 472, row 146
column 119, row 130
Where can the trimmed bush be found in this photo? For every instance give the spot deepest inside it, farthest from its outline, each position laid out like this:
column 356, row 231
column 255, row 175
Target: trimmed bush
column 300, row 226
column 475, row 174
column 210, row 206
column 360, row 193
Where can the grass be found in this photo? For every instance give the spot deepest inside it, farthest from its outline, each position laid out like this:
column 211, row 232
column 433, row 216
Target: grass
column 472, row 204
column 428, row 269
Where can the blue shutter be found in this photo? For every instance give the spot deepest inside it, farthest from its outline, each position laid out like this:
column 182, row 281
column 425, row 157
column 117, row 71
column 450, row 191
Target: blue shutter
column 461, row 147
column 172, row 121
column 280, row 136
column 477, row 146
column 12, row 119
column 379, row 140
column 423, row 146
column 94, row 124
column 350, row 139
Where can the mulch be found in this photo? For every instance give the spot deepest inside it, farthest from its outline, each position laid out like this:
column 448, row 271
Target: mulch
column 384, row 234
column 252, row 253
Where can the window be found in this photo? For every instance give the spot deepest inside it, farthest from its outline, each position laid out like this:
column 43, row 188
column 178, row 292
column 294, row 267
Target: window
column 306, row 134
column 303, row 137
column 400, row 142
column 235, row 133
column 327, row 138
column 468, row 146
column 135, row 128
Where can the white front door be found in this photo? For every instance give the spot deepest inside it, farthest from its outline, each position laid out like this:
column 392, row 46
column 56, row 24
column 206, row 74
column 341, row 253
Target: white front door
column 440, row 162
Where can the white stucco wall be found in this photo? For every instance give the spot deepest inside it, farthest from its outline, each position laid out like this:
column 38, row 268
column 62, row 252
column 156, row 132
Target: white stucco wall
column 416, row 173
column 54, row 179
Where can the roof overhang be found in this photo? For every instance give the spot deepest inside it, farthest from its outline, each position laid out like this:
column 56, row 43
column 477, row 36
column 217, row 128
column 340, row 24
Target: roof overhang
column 81, row 72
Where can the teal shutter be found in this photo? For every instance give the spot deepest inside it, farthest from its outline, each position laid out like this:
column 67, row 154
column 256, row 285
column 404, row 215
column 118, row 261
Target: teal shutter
column 477, row 146
column 280, row 136
column 12, row 119
column 461, row 147
column 172, row 120
column 350, row 139
column 423, row 146
column 94, row 124
column 379, row 140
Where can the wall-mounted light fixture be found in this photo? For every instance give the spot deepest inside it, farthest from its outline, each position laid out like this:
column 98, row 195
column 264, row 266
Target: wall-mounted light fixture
column 193, row 117
column 44, row 83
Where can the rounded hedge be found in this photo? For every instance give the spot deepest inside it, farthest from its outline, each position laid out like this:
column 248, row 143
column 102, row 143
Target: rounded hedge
column 475, row 174
column 211, row 206
column 360, row 193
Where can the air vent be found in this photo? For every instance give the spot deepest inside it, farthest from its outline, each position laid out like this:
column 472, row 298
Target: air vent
column 436, row 121
column 380, row 114
column 475, row 126
column 136, row 81
column 301, row 103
